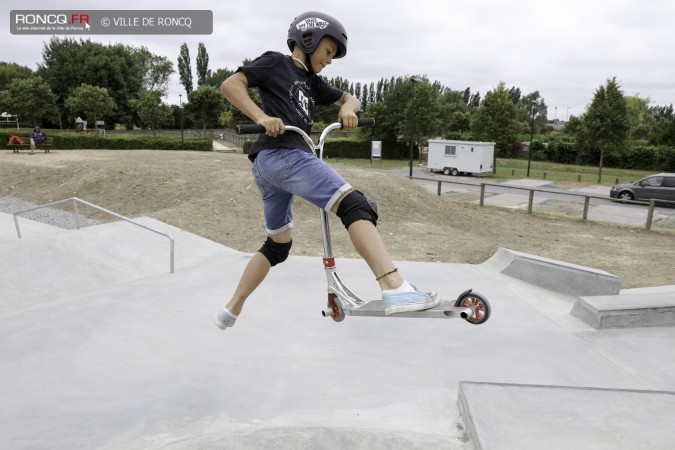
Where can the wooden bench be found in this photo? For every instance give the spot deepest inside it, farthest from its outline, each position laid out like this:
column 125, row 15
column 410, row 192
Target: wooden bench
column 44, row 145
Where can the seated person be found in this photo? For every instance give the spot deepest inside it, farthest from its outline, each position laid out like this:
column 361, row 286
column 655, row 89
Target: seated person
column 37, row 137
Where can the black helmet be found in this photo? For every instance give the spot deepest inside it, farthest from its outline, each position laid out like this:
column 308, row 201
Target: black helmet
column 309, row 28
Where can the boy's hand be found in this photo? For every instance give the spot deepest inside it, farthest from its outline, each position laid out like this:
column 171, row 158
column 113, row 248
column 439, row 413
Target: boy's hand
column 348, row 118
column 274, row 126
column 349, row 105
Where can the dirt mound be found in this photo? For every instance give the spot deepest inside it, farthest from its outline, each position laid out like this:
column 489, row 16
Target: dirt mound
column 213, row 195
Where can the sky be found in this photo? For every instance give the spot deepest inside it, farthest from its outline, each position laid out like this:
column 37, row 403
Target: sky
column 564, row 50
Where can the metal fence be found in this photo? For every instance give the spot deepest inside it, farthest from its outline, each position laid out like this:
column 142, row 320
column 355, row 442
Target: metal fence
column 531, row 191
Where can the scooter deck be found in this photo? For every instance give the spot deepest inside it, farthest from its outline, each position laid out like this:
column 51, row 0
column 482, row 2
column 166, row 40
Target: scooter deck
column 446, row 310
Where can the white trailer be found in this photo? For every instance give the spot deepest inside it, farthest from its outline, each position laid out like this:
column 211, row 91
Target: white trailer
column 455, row 157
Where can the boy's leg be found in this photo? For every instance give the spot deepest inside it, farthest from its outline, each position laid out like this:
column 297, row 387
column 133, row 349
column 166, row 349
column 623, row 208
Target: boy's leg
column 277, row 209
column 32, row 146
column 369, row 245
column 255, row 272
column 397, row 294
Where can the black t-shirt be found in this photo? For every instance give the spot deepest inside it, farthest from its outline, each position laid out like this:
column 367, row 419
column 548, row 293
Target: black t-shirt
column 289, row 93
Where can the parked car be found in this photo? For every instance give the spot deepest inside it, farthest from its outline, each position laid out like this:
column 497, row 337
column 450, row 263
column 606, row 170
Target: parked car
column 660, row 187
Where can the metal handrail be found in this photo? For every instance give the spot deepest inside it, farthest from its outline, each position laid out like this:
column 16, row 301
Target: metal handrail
column 75, row 202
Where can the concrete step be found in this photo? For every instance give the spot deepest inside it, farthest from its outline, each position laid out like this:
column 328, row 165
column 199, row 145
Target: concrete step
column 557, row 276
column 28, row 227
column 627, row 310
column 524, row 417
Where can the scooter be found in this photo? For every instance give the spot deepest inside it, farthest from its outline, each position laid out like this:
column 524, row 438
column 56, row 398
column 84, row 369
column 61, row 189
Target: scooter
column 470, row 306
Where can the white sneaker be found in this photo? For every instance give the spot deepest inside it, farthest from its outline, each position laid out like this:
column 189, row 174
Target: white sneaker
column 409, row 301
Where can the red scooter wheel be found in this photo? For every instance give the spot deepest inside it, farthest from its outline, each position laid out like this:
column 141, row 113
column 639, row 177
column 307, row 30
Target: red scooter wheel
column 479, row 304
column 337, row 313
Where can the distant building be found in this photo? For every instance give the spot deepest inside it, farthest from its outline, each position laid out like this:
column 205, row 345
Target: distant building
column 557, row 124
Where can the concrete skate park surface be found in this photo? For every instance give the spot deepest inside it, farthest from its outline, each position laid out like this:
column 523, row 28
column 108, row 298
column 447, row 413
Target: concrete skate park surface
column 103, row 348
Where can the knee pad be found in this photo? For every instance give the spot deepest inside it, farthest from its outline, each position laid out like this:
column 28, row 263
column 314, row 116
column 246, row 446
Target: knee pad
column 356, row 206
column 275, row 252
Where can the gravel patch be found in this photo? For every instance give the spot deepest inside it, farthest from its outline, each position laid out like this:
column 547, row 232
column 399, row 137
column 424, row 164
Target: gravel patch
column 51, row 216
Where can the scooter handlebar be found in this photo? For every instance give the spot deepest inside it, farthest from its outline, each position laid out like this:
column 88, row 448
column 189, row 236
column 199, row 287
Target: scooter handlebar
column 259, row 129
column 250, row 129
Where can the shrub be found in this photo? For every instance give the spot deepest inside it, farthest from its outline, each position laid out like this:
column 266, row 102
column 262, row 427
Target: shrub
column 355, row 149
column 78, row 141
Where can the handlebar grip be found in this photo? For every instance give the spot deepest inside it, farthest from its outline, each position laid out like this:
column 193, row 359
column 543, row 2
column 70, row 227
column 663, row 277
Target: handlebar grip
column 367, row 122
column 250, row 129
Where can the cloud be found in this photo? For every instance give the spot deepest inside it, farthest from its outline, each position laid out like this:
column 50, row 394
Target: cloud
column 564, row 50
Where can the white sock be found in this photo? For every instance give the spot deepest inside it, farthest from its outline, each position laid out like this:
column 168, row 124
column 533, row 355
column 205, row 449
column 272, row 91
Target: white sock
column 405, row 287
column 227, row 311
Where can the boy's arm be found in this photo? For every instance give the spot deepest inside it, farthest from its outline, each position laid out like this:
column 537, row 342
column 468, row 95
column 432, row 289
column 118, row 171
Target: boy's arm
column 350, row 105
column 235, row 90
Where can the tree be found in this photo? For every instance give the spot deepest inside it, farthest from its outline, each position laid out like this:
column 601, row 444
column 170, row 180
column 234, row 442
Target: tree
column 496, row 120
column 206, row 102
column 663, row 132
column 226, row 119
column 156, row 70
column 30, row 99
column 10, row 71
column 454, row 112
column 68, row 63
column 216, row 78
column 605, row 121
column 391, row 121
column 185, row 68
column 525, row 105
column 459, row 122
column 640, row 121
column 466, row 95
column 514, row 95
column 426, row 112
column 662, row 112
column 93, row 101
column 202, row 64
column 474, row 100
column 152, row 112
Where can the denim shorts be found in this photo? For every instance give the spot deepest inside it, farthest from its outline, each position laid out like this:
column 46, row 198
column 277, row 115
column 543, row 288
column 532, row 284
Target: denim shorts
column 283, row 173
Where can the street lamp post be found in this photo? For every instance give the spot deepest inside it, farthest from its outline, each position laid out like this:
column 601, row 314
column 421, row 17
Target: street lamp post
column 568, row 113
column 529, row 153
column 182, row 139
column 413, row 80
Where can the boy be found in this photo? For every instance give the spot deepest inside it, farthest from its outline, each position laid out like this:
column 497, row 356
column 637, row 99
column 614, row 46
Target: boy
column 37, row 137
column 283, row 166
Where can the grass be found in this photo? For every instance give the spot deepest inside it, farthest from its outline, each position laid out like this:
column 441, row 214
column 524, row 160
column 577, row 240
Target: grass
column 384, row 164
column 517, row 168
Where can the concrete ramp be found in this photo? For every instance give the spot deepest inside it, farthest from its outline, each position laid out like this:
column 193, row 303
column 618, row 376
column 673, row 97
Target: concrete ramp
column 554, row 275
column 49, row 264
column 526, row 417
column 627, row 310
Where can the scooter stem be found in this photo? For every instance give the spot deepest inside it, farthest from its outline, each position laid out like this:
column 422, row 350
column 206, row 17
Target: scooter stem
column 325, row 231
